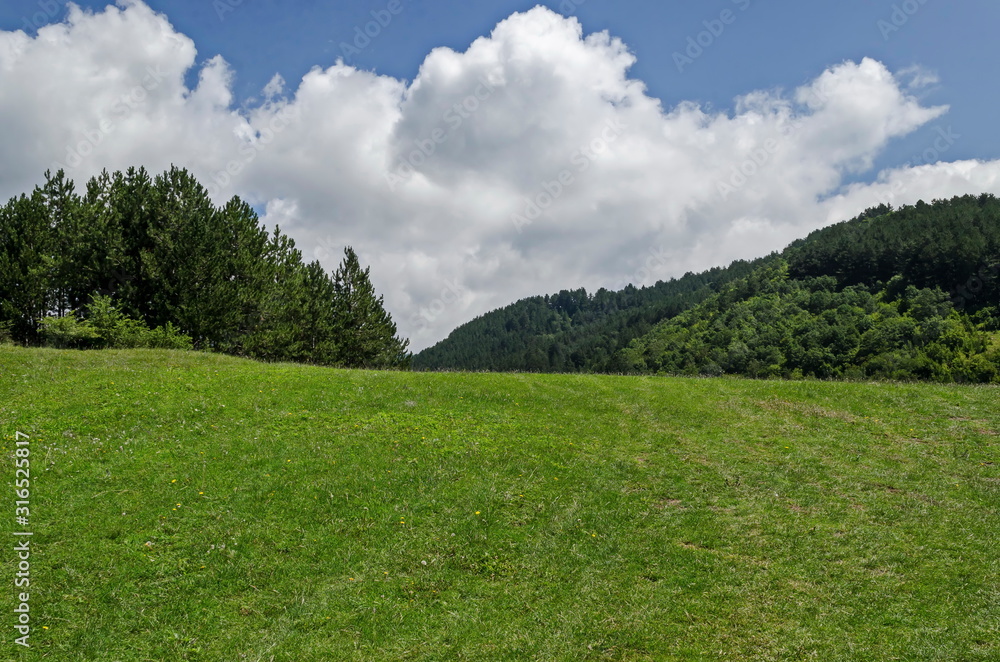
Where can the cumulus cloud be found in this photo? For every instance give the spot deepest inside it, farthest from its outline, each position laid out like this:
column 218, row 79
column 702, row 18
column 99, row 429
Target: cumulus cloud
column 528, row 163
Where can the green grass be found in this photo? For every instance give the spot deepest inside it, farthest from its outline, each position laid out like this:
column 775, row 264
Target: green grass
column 199, row 507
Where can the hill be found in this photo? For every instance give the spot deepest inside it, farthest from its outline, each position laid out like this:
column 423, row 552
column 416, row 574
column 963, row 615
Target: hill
column 572, row 331
column 910, row 293
column 190, row 506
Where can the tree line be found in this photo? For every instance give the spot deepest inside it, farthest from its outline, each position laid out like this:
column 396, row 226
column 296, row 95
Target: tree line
column 573, row 330
column 136, row 260
column 908, row 293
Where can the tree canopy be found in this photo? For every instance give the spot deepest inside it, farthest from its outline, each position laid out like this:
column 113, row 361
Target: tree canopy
column 909, row 293
column 163, row 254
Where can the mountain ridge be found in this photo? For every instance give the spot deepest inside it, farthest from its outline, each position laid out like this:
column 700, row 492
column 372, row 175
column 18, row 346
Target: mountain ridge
column 885, row 262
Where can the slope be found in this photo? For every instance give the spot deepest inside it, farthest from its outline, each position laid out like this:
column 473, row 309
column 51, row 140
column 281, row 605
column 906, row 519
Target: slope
column 191, row 506
column 572, row 331
column 905, row 294
column 935, row 266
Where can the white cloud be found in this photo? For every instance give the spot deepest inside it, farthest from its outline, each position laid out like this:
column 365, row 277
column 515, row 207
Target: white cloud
column 918, row 78
column 425, row 178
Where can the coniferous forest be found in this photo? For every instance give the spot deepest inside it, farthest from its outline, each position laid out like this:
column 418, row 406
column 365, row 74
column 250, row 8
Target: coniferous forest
column 141, row 261
column 904, row 294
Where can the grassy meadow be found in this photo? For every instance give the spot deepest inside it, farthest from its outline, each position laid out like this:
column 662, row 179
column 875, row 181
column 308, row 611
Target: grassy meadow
column 188, row 506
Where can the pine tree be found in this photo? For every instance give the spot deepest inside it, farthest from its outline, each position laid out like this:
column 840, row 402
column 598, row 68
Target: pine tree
column 245, row 246
column 70, row 249
column 188, row 260
column 366, row 335
column 26, row 266
column 278, row 333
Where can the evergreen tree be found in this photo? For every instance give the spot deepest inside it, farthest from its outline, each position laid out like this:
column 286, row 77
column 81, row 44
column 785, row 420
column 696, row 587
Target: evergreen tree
column 188, row 260
column 26, row 267
column 367, row 335
column 244, row 247
column 162, row 256
column 278, row 332
column 71, row 242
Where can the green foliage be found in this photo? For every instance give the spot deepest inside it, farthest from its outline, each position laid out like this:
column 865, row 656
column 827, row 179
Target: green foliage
column 770, row 325
column 115, row 330
column 67, row 332
column 6, row 337
column 573, row 331
column 177, row 267
column 105, row 327
column 26, row 264
column 951, row 244
column 366, row 334
column 893, row 294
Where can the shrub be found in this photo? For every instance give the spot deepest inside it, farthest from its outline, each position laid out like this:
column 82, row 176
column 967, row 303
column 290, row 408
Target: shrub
column 6, row 337
column 68, row 332
column 167, row 337
column 115, row 330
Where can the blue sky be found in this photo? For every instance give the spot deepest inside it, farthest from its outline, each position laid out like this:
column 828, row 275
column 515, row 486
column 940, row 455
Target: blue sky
column 561, row 172
column 781, row 43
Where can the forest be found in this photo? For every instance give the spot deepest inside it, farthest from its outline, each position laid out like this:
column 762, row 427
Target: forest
column 141, row 261
column 903, row 294
column 137, row 261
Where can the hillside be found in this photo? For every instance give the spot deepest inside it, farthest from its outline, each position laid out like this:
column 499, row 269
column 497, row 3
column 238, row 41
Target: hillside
column 190, row 506
column 910, row 293
column 572, row 331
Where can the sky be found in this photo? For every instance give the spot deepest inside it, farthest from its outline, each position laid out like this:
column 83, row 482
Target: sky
column 477, row 153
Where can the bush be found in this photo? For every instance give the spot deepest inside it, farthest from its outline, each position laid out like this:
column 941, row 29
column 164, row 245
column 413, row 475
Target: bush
column 6, row 336
column 115, row 329
column 167, row 337
column 118, row 331
column 68, row 332
column 108, row 328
